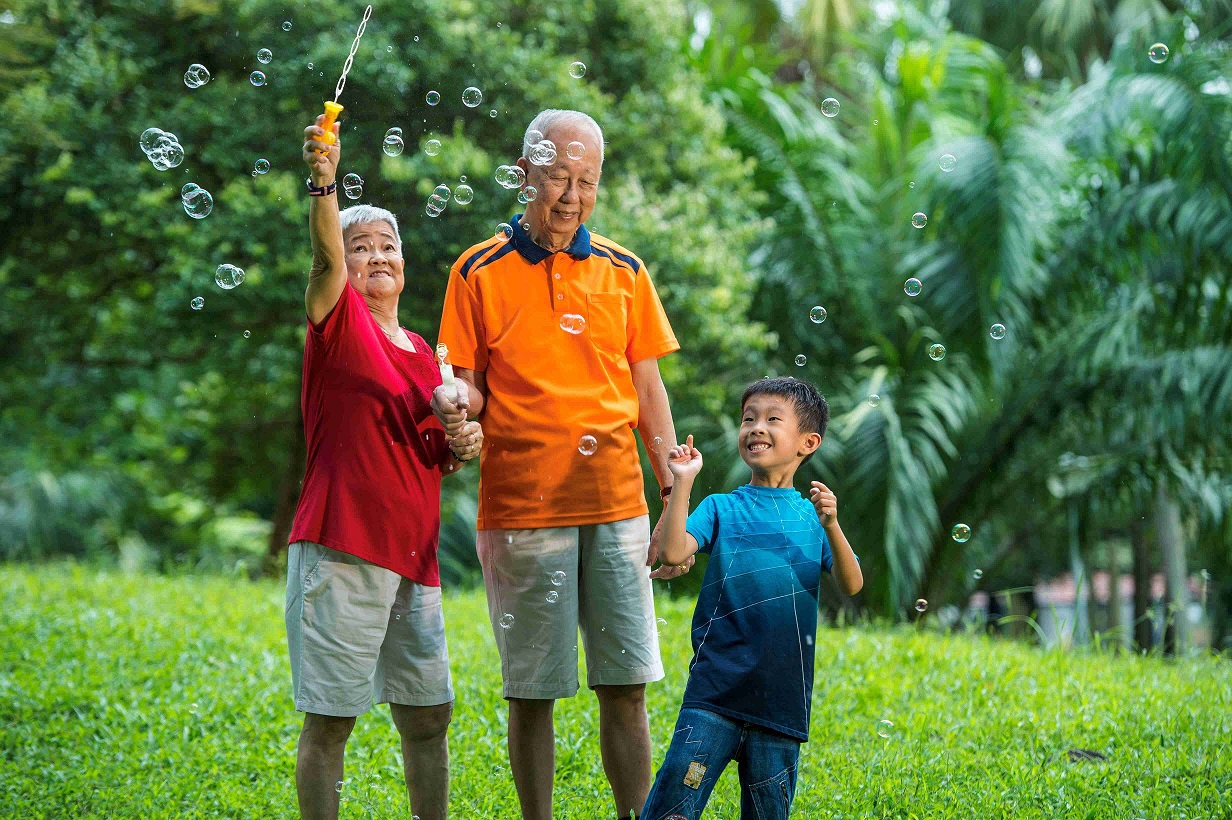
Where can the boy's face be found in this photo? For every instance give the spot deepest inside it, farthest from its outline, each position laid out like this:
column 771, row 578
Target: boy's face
column 770, row 435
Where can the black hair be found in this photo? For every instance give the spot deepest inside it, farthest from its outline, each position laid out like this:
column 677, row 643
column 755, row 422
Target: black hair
column 812, row 412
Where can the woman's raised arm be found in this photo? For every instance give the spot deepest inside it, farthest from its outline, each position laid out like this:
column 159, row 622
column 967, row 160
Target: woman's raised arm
column 329, row 274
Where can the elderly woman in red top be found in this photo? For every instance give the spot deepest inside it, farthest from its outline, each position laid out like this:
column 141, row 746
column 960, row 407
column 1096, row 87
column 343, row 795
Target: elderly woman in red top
column 363, row 606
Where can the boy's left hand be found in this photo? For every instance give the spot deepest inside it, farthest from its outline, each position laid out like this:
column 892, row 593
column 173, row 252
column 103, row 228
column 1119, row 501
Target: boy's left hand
column 825, row 502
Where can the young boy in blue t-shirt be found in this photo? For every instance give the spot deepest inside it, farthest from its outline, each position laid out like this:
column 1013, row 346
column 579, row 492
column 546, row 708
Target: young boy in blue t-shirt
column 751, row 678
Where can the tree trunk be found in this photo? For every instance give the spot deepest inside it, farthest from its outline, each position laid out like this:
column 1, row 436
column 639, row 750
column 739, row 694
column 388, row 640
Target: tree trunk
column 1142, row 586
column 1082, row 584
column 1172, row 555
column 288, row 497
column 1115, row 632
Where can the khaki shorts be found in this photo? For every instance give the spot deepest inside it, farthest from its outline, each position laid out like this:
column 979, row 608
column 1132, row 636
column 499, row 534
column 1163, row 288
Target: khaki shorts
column 359, row 632
column 543, row 584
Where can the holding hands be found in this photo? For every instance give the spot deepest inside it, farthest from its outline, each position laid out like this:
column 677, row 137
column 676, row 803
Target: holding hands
column 450, row 405
column 467, row 444
column 825, row 502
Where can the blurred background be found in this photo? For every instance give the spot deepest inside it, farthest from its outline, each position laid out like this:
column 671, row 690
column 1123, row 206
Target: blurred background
column 764, row 158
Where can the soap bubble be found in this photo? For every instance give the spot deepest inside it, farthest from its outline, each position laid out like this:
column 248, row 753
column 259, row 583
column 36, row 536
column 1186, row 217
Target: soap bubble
column 1157, row 53
column 572, row 323
column 997, row 331
column 463, row 194
column 257, row 78
column 168, row 154
column 552, row 596
column 921, row 605
column 196, row 76
column 510, row 176
column 392, row 145
column 353, row 186
column 801, row 360
column 506, row 621
column 310, row 66
column 947, row 162
column 912, row 287
column 247, row 334
column 558, row 578
column 961, row 533
column 286, row 26
column 189, row 189
column 817, row 314
column 587, row 445
column 395, row 131
column 874, row 400
column 442, row 191
column 504, row 231
column 885, row 728
column 492, row 113
column 918, row 220
column 575, row 150
column 978, row 574
column 577, row 70
column 264, row 56
column 198, row 204
column 432, row 97
column 829, row 107
column 338, row 787
column 435, row 205
column 261, row 166
column 528, row 194
column 542, row 153
column 228, row 276
column 149, row 138
column 197, row 303
column 432, row 147
column 533, row 136
column 936, row 352
column 471, row 97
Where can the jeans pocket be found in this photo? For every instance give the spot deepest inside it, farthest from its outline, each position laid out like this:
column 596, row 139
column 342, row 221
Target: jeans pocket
column 772, row 798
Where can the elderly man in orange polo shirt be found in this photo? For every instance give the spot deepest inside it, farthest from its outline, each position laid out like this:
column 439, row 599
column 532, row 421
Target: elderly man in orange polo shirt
column 556, row 333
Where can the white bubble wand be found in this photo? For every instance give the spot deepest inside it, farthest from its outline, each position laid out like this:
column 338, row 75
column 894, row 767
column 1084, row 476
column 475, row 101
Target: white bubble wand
column 332, row 109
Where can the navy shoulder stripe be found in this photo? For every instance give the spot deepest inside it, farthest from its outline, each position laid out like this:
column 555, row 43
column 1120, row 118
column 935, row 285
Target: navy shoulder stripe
column 469, row 263
column 628, row 260
column 502, row 252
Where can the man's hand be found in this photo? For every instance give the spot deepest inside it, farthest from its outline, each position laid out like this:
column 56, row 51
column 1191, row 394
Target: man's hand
column 322, row 167
column 664, row 571
column 450, row 407
column 825, row 502
column 468, row 443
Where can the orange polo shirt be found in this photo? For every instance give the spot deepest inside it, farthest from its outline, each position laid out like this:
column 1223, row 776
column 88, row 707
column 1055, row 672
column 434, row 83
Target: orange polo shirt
column 555, row 334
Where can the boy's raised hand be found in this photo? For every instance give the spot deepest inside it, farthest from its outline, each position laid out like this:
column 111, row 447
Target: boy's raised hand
column 684, row 460
column 825, row 502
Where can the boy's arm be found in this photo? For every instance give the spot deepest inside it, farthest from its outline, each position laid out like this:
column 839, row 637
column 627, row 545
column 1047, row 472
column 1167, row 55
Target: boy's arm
column 845, row 568
column 678, row 544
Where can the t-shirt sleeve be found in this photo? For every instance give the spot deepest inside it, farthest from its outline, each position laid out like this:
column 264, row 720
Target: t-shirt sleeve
column 649, row 334
column 336, row 323
column 462, row 329
column 703, row 524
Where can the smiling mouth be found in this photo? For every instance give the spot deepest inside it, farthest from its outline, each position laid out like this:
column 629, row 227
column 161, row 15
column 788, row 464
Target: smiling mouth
column 758, row 447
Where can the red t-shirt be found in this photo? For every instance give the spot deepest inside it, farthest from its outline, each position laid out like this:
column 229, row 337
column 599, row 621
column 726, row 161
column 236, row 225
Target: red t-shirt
column 372, row 484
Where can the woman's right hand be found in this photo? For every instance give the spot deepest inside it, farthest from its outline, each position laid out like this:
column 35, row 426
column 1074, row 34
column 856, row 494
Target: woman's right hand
column 322, row 166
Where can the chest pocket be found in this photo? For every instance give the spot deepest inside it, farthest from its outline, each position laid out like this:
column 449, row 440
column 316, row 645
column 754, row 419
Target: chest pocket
column 606, row 321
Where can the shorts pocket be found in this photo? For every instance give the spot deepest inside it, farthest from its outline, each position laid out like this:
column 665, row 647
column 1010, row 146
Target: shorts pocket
column 606, row 321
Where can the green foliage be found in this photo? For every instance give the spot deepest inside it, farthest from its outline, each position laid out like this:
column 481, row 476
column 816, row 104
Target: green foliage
column 146, row 696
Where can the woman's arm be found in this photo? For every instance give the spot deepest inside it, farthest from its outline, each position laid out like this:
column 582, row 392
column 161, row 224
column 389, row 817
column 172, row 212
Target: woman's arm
column 328, row 275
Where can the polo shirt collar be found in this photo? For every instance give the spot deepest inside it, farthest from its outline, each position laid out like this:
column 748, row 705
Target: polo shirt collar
column 579, row 248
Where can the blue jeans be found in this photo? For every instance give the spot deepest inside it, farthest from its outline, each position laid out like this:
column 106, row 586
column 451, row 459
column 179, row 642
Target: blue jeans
column 703, row 745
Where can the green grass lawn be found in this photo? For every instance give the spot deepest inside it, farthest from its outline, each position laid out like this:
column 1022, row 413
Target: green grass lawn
column 144, row 696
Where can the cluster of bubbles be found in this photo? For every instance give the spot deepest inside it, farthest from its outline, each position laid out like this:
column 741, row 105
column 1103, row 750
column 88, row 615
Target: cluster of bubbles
column 947, row 162
column 829, row 107
column 961, row 533
column 936, row 351
column 432, row 97
column 504, row 231
column 261, row 166
column 912, row 287
column 528, row 194
column 510, row 176
column 353, row 186
column 393, row 145
column 997, row 331
column 228, row 276
column 197, row 201
column 471, row 97
column 196, row 76
column 801, row 360
column 573, row 323
column 264, row 56
column 577, row 70
column 432, row 147
column 588, row 445
column 817, row 314
column 162, row 148
column 197, row 303
column 575, row 150
column 437, row 200
column 1157, row 53
column 542, row 152
column 919, row 219
column 257, row 78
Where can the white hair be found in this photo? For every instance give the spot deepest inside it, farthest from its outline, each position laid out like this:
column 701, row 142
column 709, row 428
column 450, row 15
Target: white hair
column 549, row 118
column 360, row 214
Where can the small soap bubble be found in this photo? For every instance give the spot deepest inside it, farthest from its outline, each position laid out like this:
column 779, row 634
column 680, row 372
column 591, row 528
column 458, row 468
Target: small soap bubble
column 577, row 70
column 247, row 334
column 228, row 276
column 575, row 150
column 921, row 605
column 534, row 136
column 197, row 303
column 801, row 360
column 261, row 166
column 542, row 153
column 504, row 231
column 936, row 352
column 874, row 400
column 264, row 56
column 918, row 220
column 997, row 331
column 656, row 445
column 286, row 25
column 961, row 533
column 885, row 728
column 829, row 107
column 417, row 38
column 392, row 145
column 353, row 186
column 587, row 445
column 506, row 621
column 558, row 578
column 978, row 574
column 310, row 66
column 817, row 314
column 528, row 194
column 552, row 596
column 196, row 76
column 257, row 78
column 947, row 162
column 198, row 204
column 338, row 787
column 432, row 97
column 572, row 323
column 471, row 97
column 149, row 138
column 912, row 287
column 389, row 49
column 189, row 189
column 462, row 178
column 463, row 194
column 395, row 131
column 910, row 184
column 442, row 191
column 1157, row 53
column 432, row 147
column 192, row 709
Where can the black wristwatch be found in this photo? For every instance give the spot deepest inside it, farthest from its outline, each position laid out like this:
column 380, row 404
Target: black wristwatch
column 321, row 190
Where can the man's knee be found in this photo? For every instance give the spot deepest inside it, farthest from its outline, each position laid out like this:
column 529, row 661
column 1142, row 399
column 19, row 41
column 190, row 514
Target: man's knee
column 422, row 723
column 326, row 730
column 627, row 697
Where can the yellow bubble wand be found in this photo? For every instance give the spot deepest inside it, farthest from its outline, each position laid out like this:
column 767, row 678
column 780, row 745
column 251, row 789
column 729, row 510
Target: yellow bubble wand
column 332, row 109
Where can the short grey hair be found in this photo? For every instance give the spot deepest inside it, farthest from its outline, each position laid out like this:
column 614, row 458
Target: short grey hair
column 360, row 214
column 549, row 118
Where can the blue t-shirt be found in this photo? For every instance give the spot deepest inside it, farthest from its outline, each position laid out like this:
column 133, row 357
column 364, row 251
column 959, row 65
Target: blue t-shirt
column 756, row 615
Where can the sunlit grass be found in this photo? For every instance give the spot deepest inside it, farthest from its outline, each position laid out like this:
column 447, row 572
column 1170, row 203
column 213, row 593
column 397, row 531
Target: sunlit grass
column 144, row 696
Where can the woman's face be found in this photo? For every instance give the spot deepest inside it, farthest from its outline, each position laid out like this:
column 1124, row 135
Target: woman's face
column 374, row 259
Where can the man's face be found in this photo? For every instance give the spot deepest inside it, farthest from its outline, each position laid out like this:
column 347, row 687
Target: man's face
column 373, row 259
column 568, row 187
column 770, row 435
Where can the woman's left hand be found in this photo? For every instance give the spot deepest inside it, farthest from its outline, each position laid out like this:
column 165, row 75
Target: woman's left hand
column 467, row 443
